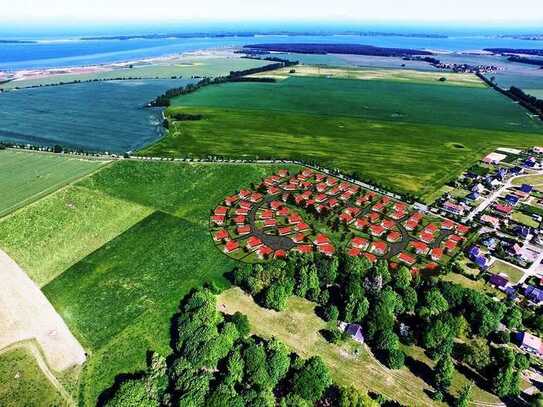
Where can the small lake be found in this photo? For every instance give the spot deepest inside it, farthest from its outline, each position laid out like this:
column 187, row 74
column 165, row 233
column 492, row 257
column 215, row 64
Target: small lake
column 95, row 116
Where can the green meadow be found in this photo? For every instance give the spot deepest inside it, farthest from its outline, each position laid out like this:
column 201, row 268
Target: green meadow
column 410, row 137
column 117, row 251
column 27, row 176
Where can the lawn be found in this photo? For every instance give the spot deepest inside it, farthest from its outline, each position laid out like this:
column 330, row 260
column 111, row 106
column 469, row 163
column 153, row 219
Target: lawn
column 27, row 176
column 134, row 239
column 524, row 219
column 350, row 363
column 22, row 383
column 410, row 137
column 513, row 273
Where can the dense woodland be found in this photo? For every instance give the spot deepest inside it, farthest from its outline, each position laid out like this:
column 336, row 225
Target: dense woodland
column 355, row 49
column 456, row 326
column 216, row 362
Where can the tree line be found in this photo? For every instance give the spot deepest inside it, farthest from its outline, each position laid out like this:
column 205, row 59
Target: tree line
column 215, row 362
column 455, row 325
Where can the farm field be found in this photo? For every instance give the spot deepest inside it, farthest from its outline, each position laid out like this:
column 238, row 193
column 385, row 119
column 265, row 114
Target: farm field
column 28, row 176
column 23, row 383
column 186, row 67
column 298, row 327
column 396, row 142
column 148, row 244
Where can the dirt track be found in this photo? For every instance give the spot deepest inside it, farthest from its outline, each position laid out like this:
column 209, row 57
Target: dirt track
column 25, row 313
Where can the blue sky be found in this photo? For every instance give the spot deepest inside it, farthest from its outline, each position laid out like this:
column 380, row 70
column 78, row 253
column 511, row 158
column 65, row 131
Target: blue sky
column 105, row 11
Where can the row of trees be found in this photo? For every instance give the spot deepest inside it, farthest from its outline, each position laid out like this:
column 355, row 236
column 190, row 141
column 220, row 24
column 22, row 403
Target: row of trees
column 395, row 307
column 215, row 362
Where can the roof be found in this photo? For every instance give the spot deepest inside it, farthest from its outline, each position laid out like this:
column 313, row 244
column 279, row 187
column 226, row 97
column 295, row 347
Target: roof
column 379, row 245
column 355, row 331
column 535, row 294
column 377, row 230
column 254, row 241
column 359, row 242
column 504, row 208
column 264, row 251
column 393, row 236
column 532, row 341
column 526, row 188
column 243, row 229
column 354, row 252
column 321, row 239
column 419, row 246
column 231, row 245
column 304, row 248
column 371, row 257
column 436, row 252
column 498, row 281
column 221, row 234
column 406, row 258
column 326, row 248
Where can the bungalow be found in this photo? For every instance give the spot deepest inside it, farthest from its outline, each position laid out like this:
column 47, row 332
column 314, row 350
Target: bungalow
column 377, row 230
column 231, row 246
column 504, row 209
column 294, row 219
column 298, row 238
column 244, row 194
column 231, row 200
column 306, row 173
column 494, row 158
column 361, row 223
column 352, row 210
column 263, row 252
column 326, row 249
column 306, row 184
column 283, row 211
column 378, row 247
column 534, row 294
column 420, row 247
column 498, row 281
column 285, row 196
column 321, row 187
column 331, row 181
column 354, row 252
column 220, row 211
column 453, row 208
column 462, row 229
column 400, row 206
column 302, row 227
column 397, row 215
column 426, row 237
column 346, row 196
column 266, row 214
column 275, row 205
column 245, row 205
column 321, row 239
column 490, row 220
column 371, row 257
column 388, row 224
column 242, row 212
column 333, row 203
column 304, row 248
column 344, row 186
column 270, row 223
column 290, row 187
column 430, row 228
column 333, row 191
column 410, row 224
column 309, row 202
column 345, row 218
column 359, row 243
column 253, row 243
column 449, row 245
column 218, row 220
column 320, row 198
column 394, row 236
column 385, row 200
column 378, row 207
column 243, row 230
column 360, row 201
column 273, row 190
column 530, row 343
column 284, row 230
column 515, row 250
column 239, row 219
column 319, row 177
column 436, row 253
column 298, row 199
column 526, row 188
column 447, row 224
column 355, row 332
column 374, row 217
column 354, row 188
column 406, row 258
column 221, row 235
column 280, row 254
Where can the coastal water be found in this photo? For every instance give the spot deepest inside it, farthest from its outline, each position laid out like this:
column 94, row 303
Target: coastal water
column 96, row 116
column 73, row 52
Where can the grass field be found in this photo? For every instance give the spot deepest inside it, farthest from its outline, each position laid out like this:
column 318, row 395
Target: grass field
column 157, row 216
column 410, row 137
column 513, row 273
column 298, row 327
column 27, row 176
column 22, row 383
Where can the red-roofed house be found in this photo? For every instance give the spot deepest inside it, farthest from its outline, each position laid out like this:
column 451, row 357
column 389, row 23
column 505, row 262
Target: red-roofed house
column 394, row 236
column 302, row 227
column 280, row 254
column 284, row 230
column 244, row 194
column 231, row 200
column 397, row 215
column 353, row 252
column 377, row 230
column 331, row 181
column 243, row 230
column 326, row 249
column 321, row 187
column 333, row 202
column 321, row 198
column 275, row 205
column 253, row 243
column 283, row 172
column 321, row 239
column 220, row 235
column 410, row 224
column 245, row 205
column 266, row 214
column 431, row 228
column 294, row 219
column 346, row 196
column 385, row 200
column 406, row 258
column 436, row 253
column 455, row 238
column 378, row 247
column 378, row 207
column 420, row 247
column 218, row 220
column 283, row 211
column 263, row 252
column 242, row 211
column 333, row 191
column 299, row 238
column 359, row 243
column 290, row 187
column 374, row 217
column 239, row 219
column 426, row 237
column 231, row 246
column 319, row 177
column 449, row 245
column 447, row 224
column 221, row 210
column 304, row 248
column 345, row 218
column 504, row 209
column 273, row 190
column 270, row 223
column 361, row 223
column 388, row 224
column 462, row 229
column 371, row 257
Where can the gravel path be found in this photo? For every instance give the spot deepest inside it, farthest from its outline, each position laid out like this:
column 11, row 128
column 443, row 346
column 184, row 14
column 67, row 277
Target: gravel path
column 25, row 313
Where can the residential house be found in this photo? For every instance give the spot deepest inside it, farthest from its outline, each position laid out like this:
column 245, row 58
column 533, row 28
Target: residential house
column 498, row 281
column 359, row 243
column 221, row 235
column 530, row 343
column 534, row 294
column 407, row 258
column 243, row 230
column 231, row 246
column 378, row 247
column 355, row 332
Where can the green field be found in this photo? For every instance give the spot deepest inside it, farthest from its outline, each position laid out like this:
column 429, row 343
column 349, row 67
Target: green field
column 26, row 176
column 410, row 137
column 184, row 66
column 118, row 295
column 22, row 383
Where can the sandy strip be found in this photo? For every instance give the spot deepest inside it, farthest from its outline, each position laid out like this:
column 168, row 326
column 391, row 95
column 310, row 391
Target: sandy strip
column 25, row 313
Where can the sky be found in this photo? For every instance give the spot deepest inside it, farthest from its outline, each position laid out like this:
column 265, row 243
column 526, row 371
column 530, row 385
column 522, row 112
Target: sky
column 490, row 12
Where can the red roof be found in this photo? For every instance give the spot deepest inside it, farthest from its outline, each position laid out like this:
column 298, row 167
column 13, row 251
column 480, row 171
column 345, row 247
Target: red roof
column 218, row 219
column 419, row 246
column 354, row 252
column 504, row 208
column 295, row 218
column 321, row 198
column 300, row 237
column 276, row 205
column 243, row 230
column 436, row 253
column 302, row 226
column 426, row 237
column 283, row 172
column 361, row 223
column 379, row 246
column 333, row 202
column 321, row 239
column 345, row 217
column 359, row 242
column 431, row 228
column 447, row 224
column 280, row 254
column 245, row 204
column 266, row 214
column 242, row 211
column 244, row 193
column 450, row 244
column 394, row 236
column 321, row 187
column 239, row 220
column 221, row 235
column 253, row 242
column 230, row 246
column 273, row 190
column 455, row 238
column 264, row 251
column 270, row 222
column 230, row 200
column 283, row 211
column 388, row 224
column 327, row 249
column 407, row 258
column 411, row 224
column 221, row 210
column 371, row 257
column 373, row 217
column 331, row 181
column 462, row 229
column 284, row 230
column 304, row 248
column 377, row 230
